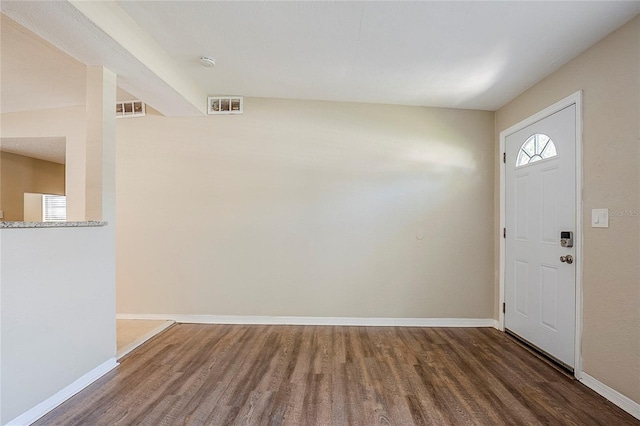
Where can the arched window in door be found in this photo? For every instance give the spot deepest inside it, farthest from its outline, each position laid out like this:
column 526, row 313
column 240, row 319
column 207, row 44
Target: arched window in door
column 537, row 147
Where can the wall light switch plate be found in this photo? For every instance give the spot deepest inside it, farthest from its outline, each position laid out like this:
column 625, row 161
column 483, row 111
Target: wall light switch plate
column 600, row 218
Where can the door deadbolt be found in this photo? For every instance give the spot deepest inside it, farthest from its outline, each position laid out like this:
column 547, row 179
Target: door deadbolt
column 568, row 259
column 566, row 238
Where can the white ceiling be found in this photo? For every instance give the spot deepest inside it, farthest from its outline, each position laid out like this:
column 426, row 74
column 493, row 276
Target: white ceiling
column 476, row 55
column 48, row 149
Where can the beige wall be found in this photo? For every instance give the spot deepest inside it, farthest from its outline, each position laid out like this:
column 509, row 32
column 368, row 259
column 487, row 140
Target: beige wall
column 301, row 208
column 57, row 311
column 609, row 75
column 68, row 122
column 22, row 174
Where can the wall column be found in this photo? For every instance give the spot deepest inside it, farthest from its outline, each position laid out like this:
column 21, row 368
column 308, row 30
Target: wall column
column 101, row 142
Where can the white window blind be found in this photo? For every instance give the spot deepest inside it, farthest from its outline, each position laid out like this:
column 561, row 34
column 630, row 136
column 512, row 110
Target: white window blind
column 54, row 208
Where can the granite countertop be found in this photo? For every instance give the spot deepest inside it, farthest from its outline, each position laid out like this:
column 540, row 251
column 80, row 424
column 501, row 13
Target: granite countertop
column 84, row 224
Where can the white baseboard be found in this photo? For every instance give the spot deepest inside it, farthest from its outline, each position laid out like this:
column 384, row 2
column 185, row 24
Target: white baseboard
column 58, row 398
column 627, row 404
column 139, row 341
column 343, row 321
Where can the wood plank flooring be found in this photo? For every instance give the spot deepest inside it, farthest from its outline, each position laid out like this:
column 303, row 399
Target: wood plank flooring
column 132, row 333
column 308, row 375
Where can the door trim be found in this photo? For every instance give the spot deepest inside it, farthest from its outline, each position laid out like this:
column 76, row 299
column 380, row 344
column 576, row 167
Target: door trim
column 576, row 99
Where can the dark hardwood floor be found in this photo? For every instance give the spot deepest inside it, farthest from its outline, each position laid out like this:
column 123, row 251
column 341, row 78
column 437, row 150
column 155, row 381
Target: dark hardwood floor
column 307, row 375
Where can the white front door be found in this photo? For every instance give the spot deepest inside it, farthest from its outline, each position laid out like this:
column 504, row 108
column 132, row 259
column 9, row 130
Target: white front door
column 540, row 204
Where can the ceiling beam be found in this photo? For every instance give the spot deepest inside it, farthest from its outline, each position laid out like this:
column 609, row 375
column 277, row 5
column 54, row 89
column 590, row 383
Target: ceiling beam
column 101, row 33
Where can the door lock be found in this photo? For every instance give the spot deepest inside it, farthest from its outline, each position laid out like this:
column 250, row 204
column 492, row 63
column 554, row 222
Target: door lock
column 568, row 259
column 566, row 238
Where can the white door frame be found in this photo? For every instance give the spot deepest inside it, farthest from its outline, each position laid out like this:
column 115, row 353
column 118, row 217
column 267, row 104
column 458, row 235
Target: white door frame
column 576, row 99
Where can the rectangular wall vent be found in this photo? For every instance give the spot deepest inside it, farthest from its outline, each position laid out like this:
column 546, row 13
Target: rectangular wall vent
column 126, row 109
column 224, row 105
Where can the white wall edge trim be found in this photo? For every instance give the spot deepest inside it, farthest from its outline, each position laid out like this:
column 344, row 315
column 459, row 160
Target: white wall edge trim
column 627, row 404
column 344, row 321
column 61, row 396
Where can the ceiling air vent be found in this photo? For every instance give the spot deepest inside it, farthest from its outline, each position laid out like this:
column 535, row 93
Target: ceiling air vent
column 126, row 109
column 224, row 105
